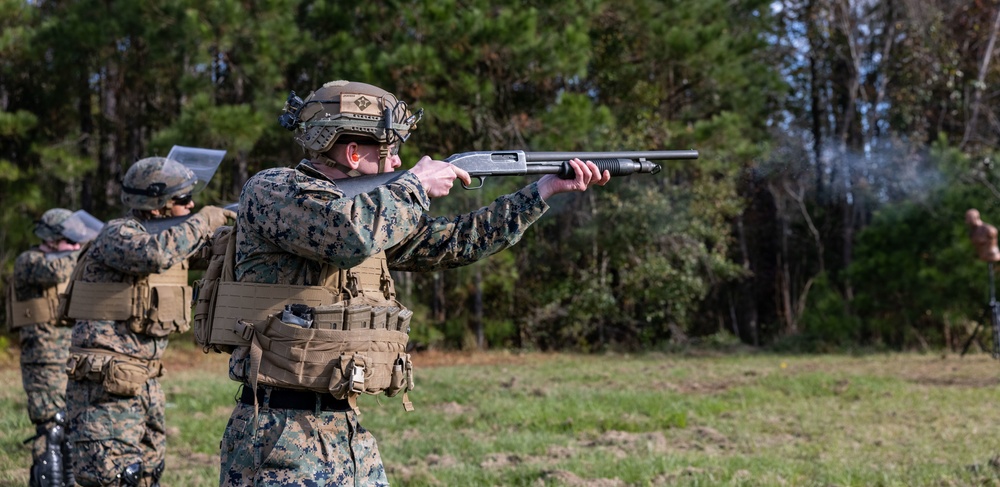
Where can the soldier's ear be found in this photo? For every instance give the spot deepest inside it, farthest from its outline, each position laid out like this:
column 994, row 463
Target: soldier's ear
column 351, row 156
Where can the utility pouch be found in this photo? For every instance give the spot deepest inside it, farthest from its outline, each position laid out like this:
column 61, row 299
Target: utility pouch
column 344, row 363
column 403, row 321
column 402, row 375
column 329, row 317
column 219, row 253
column 358, row 317
column 168, row 311
column 84, row 366
column 123, row 378
column 392, row 318
column 378, row 318
column 203, row 292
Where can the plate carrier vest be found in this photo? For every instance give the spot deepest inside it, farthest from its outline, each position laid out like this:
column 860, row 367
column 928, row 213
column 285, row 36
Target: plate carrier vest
column 155, row 304
column 44, row 309
column 356, row 343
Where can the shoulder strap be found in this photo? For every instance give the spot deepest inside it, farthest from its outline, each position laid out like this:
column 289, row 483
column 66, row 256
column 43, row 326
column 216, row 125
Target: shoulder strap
column 67, row 294
column 229, row 262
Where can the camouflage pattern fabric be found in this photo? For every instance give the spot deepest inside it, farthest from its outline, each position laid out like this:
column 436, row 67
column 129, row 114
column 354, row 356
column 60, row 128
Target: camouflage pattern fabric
column 294, row 221
column 290, row 447
column 111, row 432
column 118, row 432
column 44, row 346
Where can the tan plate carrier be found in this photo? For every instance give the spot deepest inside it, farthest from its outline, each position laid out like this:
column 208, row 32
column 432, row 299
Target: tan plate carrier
column 356, row 345
column 44, row 309
column 155, row 305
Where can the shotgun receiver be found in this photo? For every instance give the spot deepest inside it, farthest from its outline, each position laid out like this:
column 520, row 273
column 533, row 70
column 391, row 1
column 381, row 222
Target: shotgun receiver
column 483, row 164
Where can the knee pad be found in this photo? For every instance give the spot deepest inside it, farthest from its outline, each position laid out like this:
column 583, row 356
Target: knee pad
column 131, row 476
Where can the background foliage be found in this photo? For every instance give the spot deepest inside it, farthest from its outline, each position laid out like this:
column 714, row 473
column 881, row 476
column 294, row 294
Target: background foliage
column 841, row 142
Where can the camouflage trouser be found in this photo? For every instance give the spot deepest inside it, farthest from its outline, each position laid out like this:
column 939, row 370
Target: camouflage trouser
column 295, row 448
column 111, row 432
column 44, row 350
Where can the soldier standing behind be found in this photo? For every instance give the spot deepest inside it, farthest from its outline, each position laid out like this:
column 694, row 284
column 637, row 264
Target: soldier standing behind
column 128, row 294
column 295, row 227
column 40, row 273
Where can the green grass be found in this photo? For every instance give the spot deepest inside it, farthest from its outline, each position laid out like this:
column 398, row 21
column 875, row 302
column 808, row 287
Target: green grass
column 610, row 420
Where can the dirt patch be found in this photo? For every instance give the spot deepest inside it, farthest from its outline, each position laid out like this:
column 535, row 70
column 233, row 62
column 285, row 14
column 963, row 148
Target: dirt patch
column 570, row 479
column 443, row 461
column 452, row 408
column 654, row 441
column 500, row 460
column 673, row 478
column 557, row 453
column 420, row 471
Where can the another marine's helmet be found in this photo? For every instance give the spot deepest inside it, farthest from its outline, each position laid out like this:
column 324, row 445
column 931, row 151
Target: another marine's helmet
column 348, row 108
column 49, row 227
column 152, row 182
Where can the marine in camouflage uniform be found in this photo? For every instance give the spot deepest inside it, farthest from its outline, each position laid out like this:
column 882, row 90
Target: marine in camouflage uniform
column 45, row 346
column 292, row 222
column 119, row 439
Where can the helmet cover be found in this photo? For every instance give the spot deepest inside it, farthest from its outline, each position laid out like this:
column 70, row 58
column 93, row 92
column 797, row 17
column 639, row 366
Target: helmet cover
column 49, row 227
column 351, row 108
column 152, row 182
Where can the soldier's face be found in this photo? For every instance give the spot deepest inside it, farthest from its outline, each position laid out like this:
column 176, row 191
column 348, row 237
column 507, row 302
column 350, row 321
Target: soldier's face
column 370, row 160
column 65, row 245
column 62, row 246
column 181, row 207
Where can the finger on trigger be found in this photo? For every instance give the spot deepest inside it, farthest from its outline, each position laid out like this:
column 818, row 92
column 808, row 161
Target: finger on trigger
column 463, row 175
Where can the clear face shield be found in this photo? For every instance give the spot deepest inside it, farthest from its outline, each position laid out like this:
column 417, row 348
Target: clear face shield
column 202, row 162
column 81, row 227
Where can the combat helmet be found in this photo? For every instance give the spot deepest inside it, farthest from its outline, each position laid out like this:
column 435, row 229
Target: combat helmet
column 49, row 227
column 151, row 182
column 348, row 108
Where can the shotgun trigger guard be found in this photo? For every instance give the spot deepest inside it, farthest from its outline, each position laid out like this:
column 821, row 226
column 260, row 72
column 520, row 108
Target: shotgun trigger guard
column 481, row 179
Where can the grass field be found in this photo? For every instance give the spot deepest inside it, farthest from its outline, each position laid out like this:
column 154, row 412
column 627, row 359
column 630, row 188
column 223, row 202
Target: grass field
column 694, row 419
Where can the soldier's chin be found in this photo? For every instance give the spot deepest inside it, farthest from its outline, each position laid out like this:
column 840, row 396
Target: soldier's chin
column 180, row 211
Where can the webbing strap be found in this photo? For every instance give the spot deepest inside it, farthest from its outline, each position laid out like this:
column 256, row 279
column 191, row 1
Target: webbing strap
column 255, row 356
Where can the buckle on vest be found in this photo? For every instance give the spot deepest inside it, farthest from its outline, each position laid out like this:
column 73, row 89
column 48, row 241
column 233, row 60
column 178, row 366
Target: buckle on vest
column 244, row 330
column 353, row 285
column 385, row 282
column 358, row 380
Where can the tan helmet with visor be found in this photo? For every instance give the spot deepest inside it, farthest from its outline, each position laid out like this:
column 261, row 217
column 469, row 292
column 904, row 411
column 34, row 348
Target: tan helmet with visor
column 343, row 110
